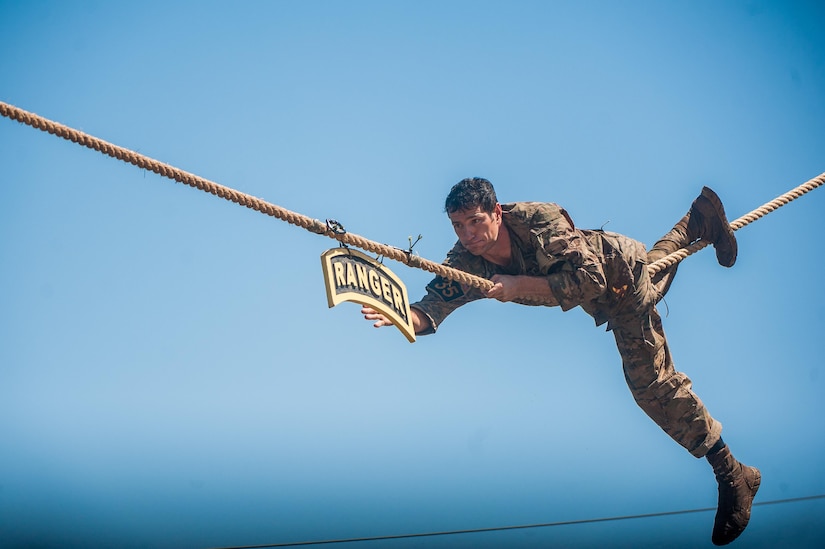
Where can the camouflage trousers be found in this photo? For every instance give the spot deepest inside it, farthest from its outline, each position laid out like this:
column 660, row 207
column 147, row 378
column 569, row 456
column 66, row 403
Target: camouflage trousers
column 664, row 394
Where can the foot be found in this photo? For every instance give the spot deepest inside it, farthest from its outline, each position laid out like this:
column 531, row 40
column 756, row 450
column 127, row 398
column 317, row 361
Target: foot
column 708, row 222
column 738, row 485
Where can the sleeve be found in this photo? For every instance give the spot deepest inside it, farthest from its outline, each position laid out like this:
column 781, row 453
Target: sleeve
column 573, row 269
column 444, row 295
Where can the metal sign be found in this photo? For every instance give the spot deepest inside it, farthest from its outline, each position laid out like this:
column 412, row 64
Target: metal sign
column 350, row 275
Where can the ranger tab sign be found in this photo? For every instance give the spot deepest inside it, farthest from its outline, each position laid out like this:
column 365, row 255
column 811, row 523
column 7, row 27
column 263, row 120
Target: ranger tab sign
column 350, row 275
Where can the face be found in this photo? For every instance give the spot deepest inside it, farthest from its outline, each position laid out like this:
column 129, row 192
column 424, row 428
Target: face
column 477, row 230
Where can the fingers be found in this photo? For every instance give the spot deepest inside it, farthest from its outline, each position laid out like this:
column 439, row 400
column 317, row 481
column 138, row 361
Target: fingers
column 371, row 314
column 496, row 291
column 499, row 292
column 502, row 289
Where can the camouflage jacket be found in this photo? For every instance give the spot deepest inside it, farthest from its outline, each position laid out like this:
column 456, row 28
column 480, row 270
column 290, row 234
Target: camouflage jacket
column 604, row 273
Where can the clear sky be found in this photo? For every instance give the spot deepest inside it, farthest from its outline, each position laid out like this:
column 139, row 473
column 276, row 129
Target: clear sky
column 171, row 375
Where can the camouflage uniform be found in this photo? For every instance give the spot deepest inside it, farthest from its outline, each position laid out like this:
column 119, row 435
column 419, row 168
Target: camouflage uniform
column 606, row 275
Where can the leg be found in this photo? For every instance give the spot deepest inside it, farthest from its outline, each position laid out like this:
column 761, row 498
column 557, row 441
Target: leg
column 676, row 239
column 664, row 394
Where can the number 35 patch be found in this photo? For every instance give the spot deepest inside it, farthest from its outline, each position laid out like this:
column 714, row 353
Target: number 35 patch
column 447, row 289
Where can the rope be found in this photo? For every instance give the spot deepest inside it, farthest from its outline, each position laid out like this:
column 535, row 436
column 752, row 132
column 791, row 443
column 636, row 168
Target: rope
column 242, row 199
column 762, row 211
column 318, row 227
column 508, row 528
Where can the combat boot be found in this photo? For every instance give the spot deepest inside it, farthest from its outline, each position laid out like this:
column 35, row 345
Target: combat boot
column 737, row 487
column 708, row 222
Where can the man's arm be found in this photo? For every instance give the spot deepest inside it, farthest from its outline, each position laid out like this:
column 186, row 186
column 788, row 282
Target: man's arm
column 442, row 298
column 506, row 288
column 573, row 269
column 522, row 287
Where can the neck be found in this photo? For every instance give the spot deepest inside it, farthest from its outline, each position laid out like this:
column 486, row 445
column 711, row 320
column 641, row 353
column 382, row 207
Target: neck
column 502, row 253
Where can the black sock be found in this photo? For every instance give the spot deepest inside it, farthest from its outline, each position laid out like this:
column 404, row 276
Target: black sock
column 716, row 447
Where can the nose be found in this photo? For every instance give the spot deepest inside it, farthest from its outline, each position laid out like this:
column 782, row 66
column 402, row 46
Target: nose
column 466, row 234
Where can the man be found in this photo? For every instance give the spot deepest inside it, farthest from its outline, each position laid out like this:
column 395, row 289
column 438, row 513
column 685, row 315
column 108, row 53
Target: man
column 534, row 255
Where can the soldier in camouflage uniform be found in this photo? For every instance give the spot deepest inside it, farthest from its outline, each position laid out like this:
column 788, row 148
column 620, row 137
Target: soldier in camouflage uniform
column 534, row 255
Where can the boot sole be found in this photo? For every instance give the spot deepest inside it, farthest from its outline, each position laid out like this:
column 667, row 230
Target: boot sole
column 756, row 483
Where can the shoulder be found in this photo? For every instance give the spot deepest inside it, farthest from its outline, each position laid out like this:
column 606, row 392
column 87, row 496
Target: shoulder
column 534, row 215
column 458, row 257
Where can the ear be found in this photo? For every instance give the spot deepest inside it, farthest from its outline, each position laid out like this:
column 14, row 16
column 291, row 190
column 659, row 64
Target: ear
column 497, row 211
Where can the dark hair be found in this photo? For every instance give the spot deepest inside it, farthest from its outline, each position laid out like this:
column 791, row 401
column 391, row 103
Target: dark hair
column 469, row 193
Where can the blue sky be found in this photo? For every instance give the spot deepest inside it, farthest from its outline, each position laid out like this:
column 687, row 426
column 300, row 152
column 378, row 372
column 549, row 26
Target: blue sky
column 173, row 378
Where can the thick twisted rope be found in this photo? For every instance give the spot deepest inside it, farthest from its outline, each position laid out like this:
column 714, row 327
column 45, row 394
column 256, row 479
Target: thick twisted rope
column 762, row 211
column 248, row 201
column 321, row 228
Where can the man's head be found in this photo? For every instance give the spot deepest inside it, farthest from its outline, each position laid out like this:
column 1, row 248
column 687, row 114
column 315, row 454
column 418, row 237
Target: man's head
column 470, row 193
column 475, row 214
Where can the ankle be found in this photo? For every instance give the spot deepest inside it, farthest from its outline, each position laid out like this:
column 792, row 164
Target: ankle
column 716, row 447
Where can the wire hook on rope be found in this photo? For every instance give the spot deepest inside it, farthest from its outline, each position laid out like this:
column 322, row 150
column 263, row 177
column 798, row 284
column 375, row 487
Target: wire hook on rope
column 335, row 227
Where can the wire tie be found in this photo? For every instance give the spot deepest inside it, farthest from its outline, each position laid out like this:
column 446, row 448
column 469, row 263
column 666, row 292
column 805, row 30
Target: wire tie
column 335, row 227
